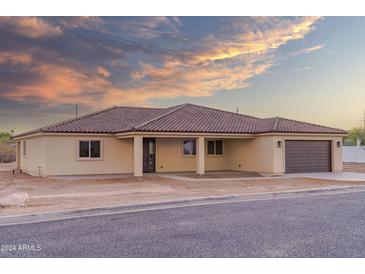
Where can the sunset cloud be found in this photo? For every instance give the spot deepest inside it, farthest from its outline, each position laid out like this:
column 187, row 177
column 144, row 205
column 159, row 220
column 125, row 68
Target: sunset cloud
column 108, row 61
column 57, row 84
column 103, row 72
column 33, row 27
column 14, row 58
column 307, row 50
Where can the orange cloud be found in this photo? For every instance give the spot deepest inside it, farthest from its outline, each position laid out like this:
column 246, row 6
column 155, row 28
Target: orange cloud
column 226, row 60
column 103, row 72
column 32, row 27
column 13, row 58
column 226, row 64
column 278, row 33
column 59, row 84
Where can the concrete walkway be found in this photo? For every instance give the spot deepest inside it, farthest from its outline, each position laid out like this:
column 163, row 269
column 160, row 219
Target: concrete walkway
column 333, row 176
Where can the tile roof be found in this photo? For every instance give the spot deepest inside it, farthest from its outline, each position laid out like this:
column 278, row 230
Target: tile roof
column 193, row 118
column 284, row 125
column 180, row 118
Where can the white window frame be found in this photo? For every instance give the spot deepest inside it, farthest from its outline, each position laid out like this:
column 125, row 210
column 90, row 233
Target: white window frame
column 215, row 149
column 182, row 148
column 90, row 158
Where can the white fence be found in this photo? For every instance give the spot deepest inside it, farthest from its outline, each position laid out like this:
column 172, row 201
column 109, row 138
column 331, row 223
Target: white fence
column 353, row 154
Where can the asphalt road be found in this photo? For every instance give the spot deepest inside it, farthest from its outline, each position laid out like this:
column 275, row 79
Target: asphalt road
column 315, row 226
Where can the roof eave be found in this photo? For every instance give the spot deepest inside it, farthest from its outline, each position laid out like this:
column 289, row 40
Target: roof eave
column 281, row 133
column 182, row 133
column 46, row 133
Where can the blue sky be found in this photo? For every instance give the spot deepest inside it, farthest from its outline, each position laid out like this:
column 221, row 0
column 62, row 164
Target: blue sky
column 302, row 68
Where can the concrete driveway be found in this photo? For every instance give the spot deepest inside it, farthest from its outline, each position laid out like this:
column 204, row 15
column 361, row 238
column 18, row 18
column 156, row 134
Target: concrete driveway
column 333, row 176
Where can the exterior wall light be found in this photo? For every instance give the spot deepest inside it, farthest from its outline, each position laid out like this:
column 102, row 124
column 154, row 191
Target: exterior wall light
column 338, row 144
column 279, row 143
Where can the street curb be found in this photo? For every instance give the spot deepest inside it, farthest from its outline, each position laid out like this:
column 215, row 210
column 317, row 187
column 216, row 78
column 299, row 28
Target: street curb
column 198, row 201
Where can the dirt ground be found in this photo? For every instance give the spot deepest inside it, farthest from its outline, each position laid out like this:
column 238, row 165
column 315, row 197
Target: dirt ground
column 353, row 167
column 49, row 194
column 7, row 166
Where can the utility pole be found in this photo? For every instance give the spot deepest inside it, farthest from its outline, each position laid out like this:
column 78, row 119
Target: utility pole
column 76, row 111
column 237, row 110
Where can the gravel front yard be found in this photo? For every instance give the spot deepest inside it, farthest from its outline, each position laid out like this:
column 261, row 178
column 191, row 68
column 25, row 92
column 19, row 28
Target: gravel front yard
column 48, row 194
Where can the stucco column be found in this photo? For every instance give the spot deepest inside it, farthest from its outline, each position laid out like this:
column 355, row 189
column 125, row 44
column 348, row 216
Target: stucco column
column 138, row 155
column 17, row 155
column 200, row 156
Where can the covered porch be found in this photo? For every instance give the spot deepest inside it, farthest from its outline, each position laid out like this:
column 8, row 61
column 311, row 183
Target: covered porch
column 208, row 155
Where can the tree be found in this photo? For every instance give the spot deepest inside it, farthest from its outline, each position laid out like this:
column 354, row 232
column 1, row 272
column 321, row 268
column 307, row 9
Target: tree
column 354, row 134
column 5, row 137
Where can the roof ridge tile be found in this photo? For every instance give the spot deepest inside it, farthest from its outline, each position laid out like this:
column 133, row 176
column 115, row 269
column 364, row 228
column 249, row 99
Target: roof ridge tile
column 276, row 123
column 308, row 123
column 159, row 116
column 226, row 111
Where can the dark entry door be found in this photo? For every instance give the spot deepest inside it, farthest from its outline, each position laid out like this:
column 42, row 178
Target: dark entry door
column 307, row 156
column 149, row 155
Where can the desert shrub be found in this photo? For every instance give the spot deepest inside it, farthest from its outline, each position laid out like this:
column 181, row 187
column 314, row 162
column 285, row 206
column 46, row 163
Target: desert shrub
column 7, row 153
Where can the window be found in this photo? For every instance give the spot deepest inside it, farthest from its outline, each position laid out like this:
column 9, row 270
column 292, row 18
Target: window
column 210, row 146
column 215, row 147
column 90, row 149
column 84, row 149
column 95, row 149
column 24, row 148
column 219, row 147
column 189, row 147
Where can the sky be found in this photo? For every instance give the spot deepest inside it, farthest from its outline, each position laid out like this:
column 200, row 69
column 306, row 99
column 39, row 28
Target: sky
column 304, row 68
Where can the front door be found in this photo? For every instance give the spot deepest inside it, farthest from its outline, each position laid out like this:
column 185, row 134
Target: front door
column 149, row 155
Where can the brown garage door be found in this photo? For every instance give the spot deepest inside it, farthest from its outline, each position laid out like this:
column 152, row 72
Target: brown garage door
column 307, row 156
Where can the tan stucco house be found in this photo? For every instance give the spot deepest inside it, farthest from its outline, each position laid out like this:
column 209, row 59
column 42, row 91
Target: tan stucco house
column 180, row 138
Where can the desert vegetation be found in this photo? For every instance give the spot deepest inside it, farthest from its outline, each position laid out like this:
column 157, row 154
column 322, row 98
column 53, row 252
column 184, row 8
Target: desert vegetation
column 7, row 148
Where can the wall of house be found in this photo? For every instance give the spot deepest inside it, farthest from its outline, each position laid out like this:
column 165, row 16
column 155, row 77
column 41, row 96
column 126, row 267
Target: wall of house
column 263, row 155
column 279, row 156
column 33, row 162
column 170, row 158
column 62, row 156
column 260, row 154
column 256, row 154
column 58, row 155
column 217, row 162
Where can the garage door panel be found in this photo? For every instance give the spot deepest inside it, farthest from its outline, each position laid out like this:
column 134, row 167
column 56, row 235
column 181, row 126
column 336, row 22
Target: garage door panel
column 307, row 156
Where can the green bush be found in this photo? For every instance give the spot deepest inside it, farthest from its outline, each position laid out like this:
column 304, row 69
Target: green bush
column 354, row 134
column 5, row 137
column 349, row 142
